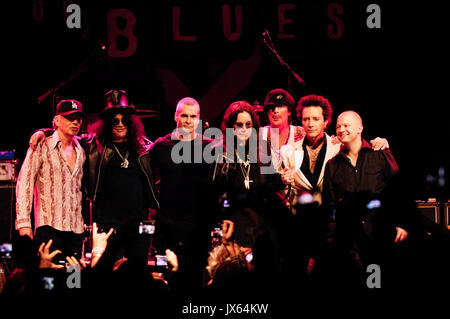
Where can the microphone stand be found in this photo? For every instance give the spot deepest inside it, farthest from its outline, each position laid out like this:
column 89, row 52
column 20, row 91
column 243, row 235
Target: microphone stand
column 272, row 49
column 78, row 71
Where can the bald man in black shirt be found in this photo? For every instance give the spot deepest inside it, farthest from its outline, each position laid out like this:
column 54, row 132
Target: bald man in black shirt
column 354, row 184
column 183, row 223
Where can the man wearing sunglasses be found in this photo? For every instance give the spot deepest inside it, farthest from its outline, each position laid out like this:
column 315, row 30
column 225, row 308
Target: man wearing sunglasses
column 118, row 179
column 52, row 174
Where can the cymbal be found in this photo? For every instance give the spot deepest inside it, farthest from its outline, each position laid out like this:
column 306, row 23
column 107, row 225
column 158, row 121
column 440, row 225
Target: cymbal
column 147, row 113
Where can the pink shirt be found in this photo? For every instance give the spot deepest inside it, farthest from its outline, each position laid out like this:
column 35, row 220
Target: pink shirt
column 57, row 194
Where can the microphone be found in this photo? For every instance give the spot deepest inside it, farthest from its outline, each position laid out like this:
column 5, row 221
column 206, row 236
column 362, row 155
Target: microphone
column 102, row 51
column 298, row 78
column 267, row 34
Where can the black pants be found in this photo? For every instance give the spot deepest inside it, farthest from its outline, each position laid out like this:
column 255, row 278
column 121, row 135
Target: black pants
column 131, row 245
column 127, row 242
column 68, row 242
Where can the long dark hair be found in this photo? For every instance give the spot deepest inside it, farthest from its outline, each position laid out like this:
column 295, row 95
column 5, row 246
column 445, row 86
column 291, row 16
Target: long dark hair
column 232, row 112
column 136, row 131
column 230, row 117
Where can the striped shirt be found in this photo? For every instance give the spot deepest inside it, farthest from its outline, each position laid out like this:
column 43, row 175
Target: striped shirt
column 45, row 174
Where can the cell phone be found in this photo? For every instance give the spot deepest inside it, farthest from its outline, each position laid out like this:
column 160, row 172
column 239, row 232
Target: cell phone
column 147, row 227
column 6, row 251
column 373, row 204
column 48, row 283
column 60, row 260
column 161, row 261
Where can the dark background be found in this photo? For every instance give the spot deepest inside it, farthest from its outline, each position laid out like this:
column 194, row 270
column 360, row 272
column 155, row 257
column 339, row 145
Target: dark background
column 395, row 77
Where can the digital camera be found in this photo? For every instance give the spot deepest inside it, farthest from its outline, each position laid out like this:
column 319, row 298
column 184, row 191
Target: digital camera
column 6, row 251
column 147, row 227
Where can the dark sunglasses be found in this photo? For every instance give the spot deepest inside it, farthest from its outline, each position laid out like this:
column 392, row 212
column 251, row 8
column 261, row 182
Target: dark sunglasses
column 115, row 121
column 72, row 117
column 241, row 125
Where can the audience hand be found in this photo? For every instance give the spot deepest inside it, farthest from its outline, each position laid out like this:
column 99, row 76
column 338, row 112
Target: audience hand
column 100, row 240
column 46, row 257
column 73, row 261
column 172, row 260
column 227, row 230
column 401, row 235
column 99, row 243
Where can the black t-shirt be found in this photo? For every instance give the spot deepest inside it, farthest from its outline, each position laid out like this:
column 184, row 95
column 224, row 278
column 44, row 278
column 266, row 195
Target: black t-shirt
column 183, row 177
column 123, row 192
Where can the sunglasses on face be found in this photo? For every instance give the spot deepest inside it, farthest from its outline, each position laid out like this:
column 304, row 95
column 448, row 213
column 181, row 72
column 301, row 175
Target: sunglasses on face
column 115, row 121
column 72, row 117
column 241, row 125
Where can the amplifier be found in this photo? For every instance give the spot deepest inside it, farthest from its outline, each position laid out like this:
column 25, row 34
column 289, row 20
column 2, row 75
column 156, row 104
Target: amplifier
column 9, row 170
column 447, row 215
column 431, row 210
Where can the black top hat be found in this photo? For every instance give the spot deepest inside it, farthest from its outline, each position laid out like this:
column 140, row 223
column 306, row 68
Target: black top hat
column 66, row 107
column 278, row 97
column 117, row 101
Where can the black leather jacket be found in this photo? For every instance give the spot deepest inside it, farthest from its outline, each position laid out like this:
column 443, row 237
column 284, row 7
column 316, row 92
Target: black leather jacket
column 98, row 155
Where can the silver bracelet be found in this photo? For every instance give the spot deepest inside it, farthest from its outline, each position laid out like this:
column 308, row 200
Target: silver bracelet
column 97, row 251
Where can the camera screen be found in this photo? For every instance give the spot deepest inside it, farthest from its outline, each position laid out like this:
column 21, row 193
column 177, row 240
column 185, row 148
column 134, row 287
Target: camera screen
column 161, row 260
column 375, row 203
column 6, row 251
column 146, row 229
column 48, row 283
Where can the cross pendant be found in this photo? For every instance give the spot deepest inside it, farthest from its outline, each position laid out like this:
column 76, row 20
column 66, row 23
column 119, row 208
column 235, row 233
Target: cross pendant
column 247, row 182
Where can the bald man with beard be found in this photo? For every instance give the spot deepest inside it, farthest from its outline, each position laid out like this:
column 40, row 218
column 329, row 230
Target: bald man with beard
column 355, row 185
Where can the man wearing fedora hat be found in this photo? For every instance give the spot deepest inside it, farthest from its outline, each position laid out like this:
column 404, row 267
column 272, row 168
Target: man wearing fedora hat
column 52, row 175
column 118, row 178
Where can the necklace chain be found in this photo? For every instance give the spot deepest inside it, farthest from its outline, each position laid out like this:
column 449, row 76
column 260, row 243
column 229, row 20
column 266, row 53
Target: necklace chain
column 313, row 154
column 125, row 162
column 246, row 174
